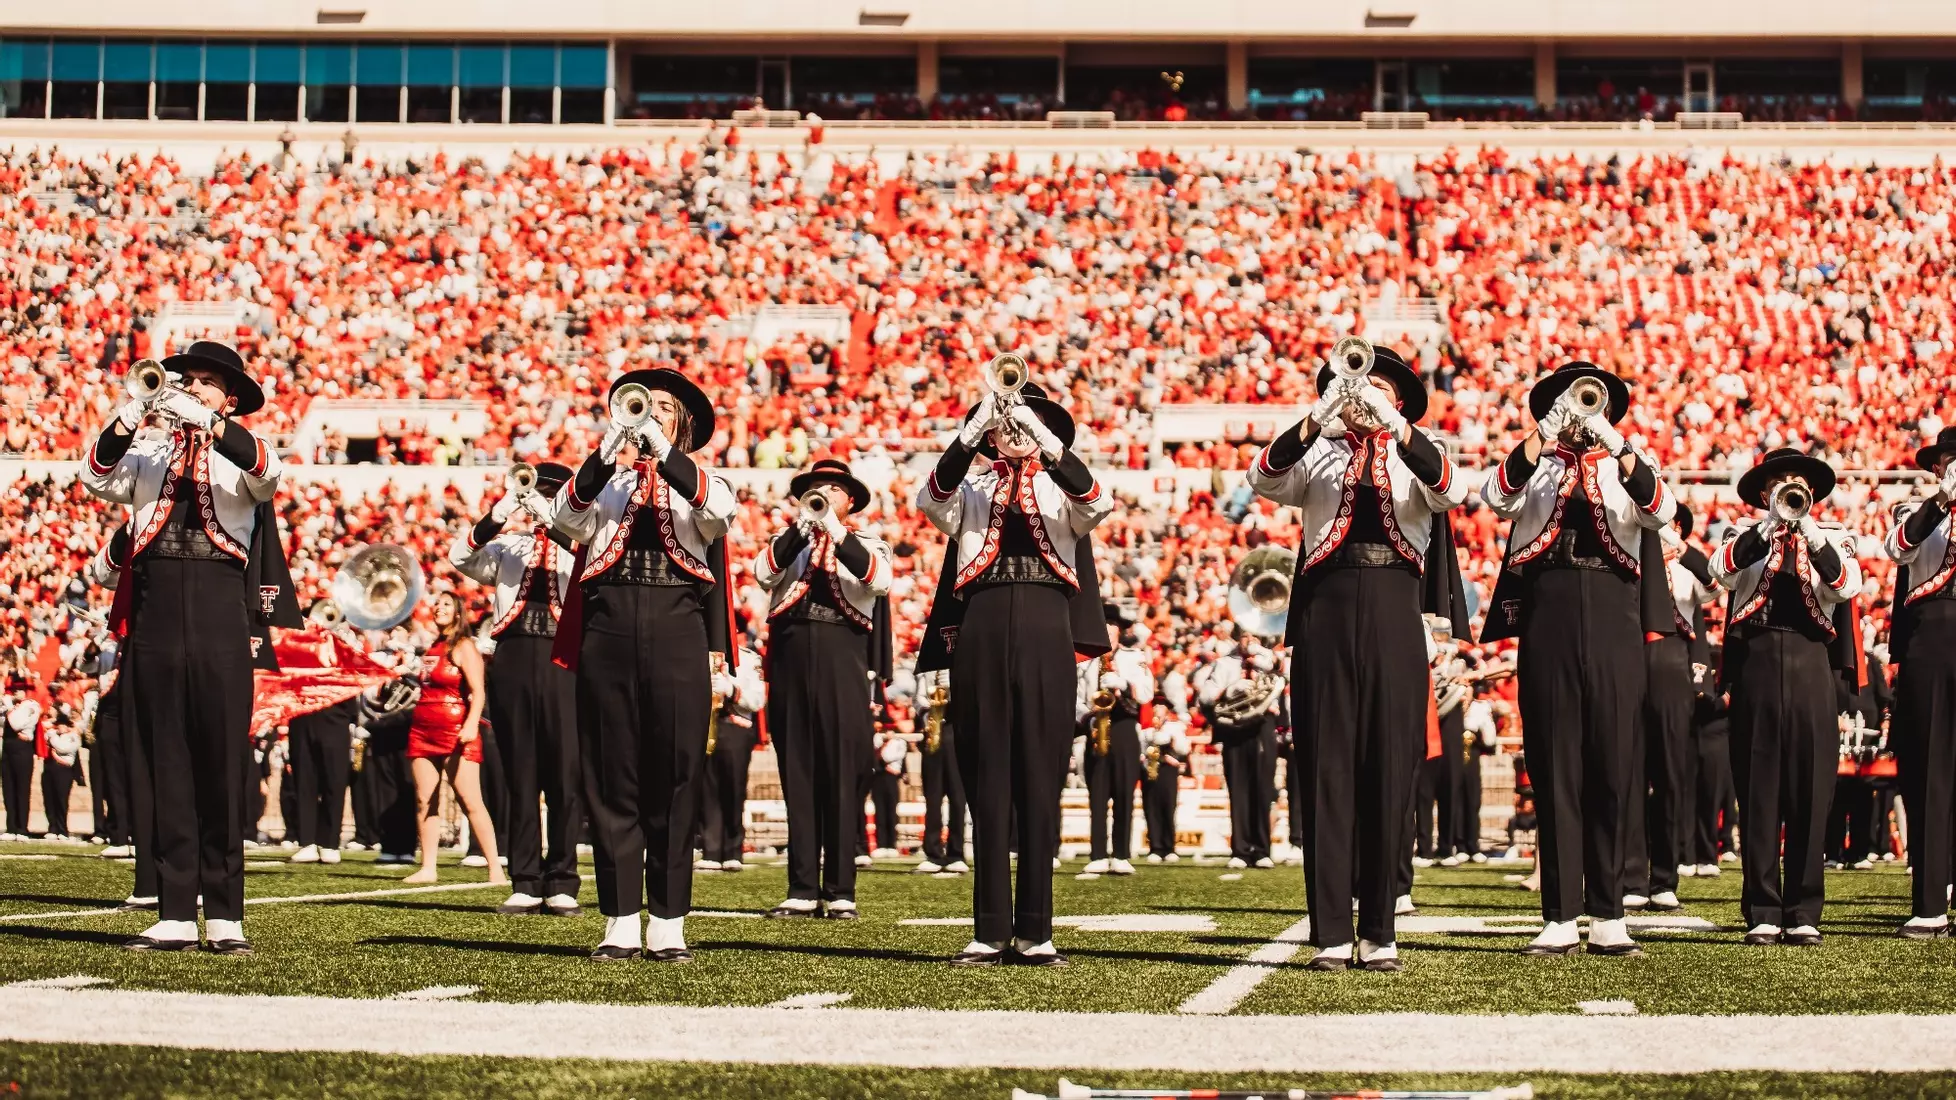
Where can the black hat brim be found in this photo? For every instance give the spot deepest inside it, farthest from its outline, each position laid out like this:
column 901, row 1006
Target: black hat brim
column 1819, row 477
column 801, row 483
column 1405, row 381
column 225, row 362
column 1542, row 398
column 552, row 476
column 1684, row 521
column 1116, row 614
column 1050, row 412
column 1943, row 447
column 699, row 408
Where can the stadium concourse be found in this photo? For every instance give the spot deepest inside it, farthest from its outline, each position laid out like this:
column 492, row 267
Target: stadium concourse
column 1756, row 301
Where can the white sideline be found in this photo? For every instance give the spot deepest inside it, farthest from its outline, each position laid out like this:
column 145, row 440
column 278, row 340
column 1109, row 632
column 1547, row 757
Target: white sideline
column 394, row 891
column 918, row 1038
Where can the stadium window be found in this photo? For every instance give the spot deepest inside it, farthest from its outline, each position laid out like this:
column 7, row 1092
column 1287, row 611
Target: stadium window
column 329, row 82
column 532, row 83
column 77, row 78
column 1619, row 87
column 1310, row 87
column 1776, row 86
column 126, row 71
column 378, row 76
column 674, row 87
column 227, row 81
column 481, row 72
column 584, row 77
column 1475, row 86
column 275, row 75
column 821, row 84
column 1912, row 87
column 1138, row 91
column 179, row 72
column 23, row 78
column 1008, row 79
column 431, row 83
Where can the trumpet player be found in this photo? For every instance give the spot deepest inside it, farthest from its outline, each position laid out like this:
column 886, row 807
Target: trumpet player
column 1374, row 490
column 944, row 805
column 1922, row 644
column 1790, row 582
column 723, row 823
column 1240, row 694
column 1124, row 681
column 320, row 748
column 1018, row 599
column 1164, row 753
column 647, row 628
column 532, row 701
column 205, row 577
column 1580, row 500
column 826, row 583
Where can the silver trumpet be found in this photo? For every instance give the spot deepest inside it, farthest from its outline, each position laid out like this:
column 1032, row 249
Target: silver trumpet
column 378, row 587
column 1587, row 397
column 147, row 382
column 1791, row 501
column 1006, row 375
column 1352, row 358
column 631, row 406
column 814, row 506
column 523, row 477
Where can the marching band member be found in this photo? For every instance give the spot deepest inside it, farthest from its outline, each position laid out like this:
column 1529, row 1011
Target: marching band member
column 128, row 791
column 61, row 751
column 1240, row 694
column 1166, row 743
column 882, row 785
column 1580, row 500
column 445, row 738
column 532, row 700
column 1922, row 646
column 1113, row 770
column 944, row 805
column 321, row 747
column 650, row 609
column 1374, row 491
column 1788, row 580
column 17, row 744
column 1017, row 601
column 828, row 648
column 206, row 578
column 723, row 805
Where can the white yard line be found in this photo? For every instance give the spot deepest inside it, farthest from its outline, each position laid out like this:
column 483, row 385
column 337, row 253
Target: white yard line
column 355, row 895
column 812, row 1000
column 1381, row 1043
column 1228, row 991
column 438, row 993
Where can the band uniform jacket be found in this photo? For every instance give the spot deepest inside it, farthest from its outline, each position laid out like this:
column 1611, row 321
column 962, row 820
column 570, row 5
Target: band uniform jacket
column 786, row 583
column 1214, row 679
column 1688, row 594
column 749, row 694
column 504, row 561
column 973, row 512
column 1927, row 568
column 139, row 478
column 1749, row 584
column 1130, row 664
column 1322, row 484
column 687, row 527
column 1536, row 508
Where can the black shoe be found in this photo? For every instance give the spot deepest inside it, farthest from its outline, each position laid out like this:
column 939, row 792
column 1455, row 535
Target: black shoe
column 228, row 947
column 670, row 955
column 841, row 914
column 978, row 958
column 788, row 912
column 567, row 911
column 1923, row 932
column 1388, row 965
column 1054, row 960
column 1800, row 939
column 606, row 953
column 1615, row 950
column 1328, row 963
column 1551, row 951
column 1762, row 939
column 145, row 943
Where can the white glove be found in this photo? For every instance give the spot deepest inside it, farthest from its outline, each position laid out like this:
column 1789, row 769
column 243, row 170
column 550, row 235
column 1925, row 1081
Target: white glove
column 1604, row 432
column 186, row 408
column 614, row 438
column 1049, row 444
column 131, row 414
column 723, row 685
column 1810, row 530
column 505, row 508
column 1550, row 427
column 1382, row 410
column 536, row 504
column 655, row 440
column 1113, row 682
column 978, row 423
column 1948, row 484
column 832, row 523
column 1325, row 412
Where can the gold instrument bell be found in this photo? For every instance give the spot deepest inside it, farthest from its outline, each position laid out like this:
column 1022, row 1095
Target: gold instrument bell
column 1259, row 590
column 378, row 587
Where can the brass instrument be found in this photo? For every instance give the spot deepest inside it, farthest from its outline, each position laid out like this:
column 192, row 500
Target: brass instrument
column 1102, row 706
column 718, row 665
column 378, row 587
column 1352, row 358
column 940, row 697
column 1259, row 590
column 1151, row 762
column 359, row 754
column 814, row 505
column 1791, row 501
column 326, row 613
column 523, row 477
column 631, row 406
column 148, row 382
column 1006, row 375
column 1587, row 397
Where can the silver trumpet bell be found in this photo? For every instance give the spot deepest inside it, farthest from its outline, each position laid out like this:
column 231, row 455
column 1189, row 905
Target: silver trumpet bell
column 1791, row 501
column 523, row 477
column 1007, row 374
column 1259, row 590
column 1588, row 397
column 814, row 505
column 631, row 405
column 378, row 587
column 1352, row 358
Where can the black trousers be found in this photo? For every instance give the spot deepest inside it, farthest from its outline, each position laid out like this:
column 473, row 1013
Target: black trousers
column 495, row 790
column 818, row 714
column 1714, row 811
column 322, row 765
column 1581, row 671
column 1664, row 772
column 1158, row 798
column 57, row 783
column 881, row 790
column 1358, row 691
column 187, row 690
column 389, row 779
column 1436, row 794
column 1467, row 816
column 1785, row 750
column 1850, row 819
column 16, row 779
column 723, row 805
column 1113, row 778
column 644, row 693
column 108, row 773
column 533, row 707
column 1249, row 772
column 1924, row 734
column 944, row 808
column 1012, row 696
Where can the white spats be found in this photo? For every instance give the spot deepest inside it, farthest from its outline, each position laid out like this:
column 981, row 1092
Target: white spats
column 223, row 930
column 812, row 1000
column 623, row 932
column 1557, row 933
column 1225, row 993
column 1607, row 1008
column 172, row 931
column 665, row 934
column 438, row 993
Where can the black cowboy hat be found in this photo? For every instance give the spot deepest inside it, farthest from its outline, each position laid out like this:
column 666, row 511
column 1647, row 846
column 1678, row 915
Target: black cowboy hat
column 1051, row 412
column 1944, row 446
column 1786, row 462
column 1684, row 521
column 699, row 409
column 1406, row 382
column 1114, row 613
column 1549, row 390
column 224, row 361
column 830, row 471
column 551, row 477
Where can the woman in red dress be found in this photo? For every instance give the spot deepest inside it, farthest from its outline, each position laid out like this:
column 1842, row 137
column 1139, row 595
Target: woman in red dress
column 443, row 736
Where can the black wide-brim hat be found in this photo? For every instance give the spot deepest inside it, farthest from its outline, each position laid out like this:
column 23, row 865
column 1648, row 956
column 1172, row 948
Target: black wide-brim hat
column 223, row 360
column 1684, row 521
column 699, row 409
column 551, row 477
column 1406, row 382
column 1786, row 462
column 1114, row 613
column 1549, row 390
column 1943, row 447
column 830, row 471
column 1051, row 412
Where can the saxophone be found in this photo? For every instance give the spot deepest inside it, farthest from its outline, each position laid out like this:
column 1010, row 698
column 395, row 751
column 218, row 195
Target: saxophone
column 1151, row 762
column 716, row 663
column 1103, row 721
column 940, row 697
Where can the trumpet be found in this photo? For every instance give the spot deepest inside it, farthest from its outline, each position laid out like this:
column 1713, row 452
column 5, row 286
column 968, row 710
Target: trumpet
column 1791, row 501
column 815, row 505
column 147, row 382
column 1006, row 375
column 1587, row 397
column 631, row 406
column 1352, row 358
column 523, row 477
column 940, row 697
column 1102, row 705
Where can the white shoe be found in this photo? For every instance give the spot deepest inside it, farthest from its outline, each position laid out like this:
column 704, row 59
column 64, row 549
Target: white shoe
column 139, row 901
column 928, row 868
column 1369, row 953
column 1665, row 899
column 1865, row 863
column 119, row 851
column 1402, row 905
column 1236, row 864
column 1120, row 867
column 563, row 904
column 887, row 853
column 840, row 905
column 1710, row 870
column 1610, row 933
column 1266, row 863
column 1172, row 857
column 1478, row 857
column 475, row 861
column 1635, row 901
column 172, row 931
column 1154, row 857
column 329, row 856
column 288, row 845
column 1342, row 952
column 1557, row 934
column 957, row 867
column 1728, row 857
column 865, row 861
column 307, row 854
column 520, row 902
column 354, row 846
column 1030, row 949
column 1097, row 867
column 1422, row 861
column 1887, row 857
column 733, row 865
column 706, row 865
column 1453, row 860
column 1294, row 857
column 1687, row 870
column 1056, row 863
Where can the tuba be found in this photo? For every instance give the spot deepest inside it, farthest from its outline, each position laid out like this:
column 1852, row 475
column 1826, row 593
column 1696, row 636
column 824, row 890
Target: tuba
column 1259, row 590
column 378, row 587
column 1791, row 501
column 631, row 406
